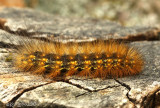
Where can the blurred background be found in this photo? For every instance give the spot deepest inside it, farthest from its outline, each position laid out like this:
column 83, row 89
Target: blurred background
column 125, row 12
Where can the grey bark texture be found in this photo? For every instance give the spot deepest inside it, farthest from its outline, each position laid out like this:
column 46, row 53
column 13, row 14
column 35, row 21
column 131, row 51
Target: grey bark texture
column 18, row 89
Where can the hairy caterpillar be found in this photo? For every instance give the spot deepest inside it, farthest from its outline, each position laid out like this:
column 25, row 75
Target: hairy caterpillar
column 97, row 59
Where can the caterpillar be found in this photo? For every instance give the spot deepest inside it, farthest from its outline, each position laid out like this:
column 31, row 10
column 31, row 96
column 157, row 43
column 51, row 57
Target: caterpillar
column 96, row 59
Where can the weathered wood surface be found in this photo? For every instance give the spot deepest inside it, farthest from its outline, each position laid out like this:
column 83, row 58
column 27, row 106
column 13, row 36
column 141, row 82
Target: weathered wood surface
column 19, row 89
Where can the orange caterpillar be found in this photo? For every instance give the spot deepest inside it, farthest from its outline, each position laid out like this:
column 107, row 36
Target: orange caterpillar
column 97, row 59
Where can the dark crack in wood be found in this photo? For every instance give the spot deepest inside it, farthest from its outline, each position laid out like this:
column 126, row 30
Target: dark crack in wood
column 96, row 90
column 127, row 87
column 81, row 94
column 123, row 84
column 11, row 103
column 87, row 89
